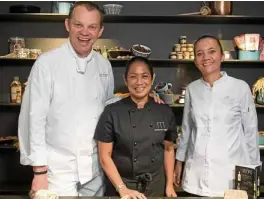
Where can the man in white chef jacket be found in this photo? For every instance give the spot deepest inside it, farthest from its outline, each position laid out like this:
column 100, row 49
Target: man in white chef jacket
column 66, row 93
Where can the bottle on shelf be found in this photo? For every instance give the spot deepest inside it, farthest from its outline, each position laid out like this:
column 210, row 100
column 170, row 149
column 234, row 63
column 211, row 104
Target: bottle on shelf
column 24, row 87
column 16, row 90
column 98, row 49
column 239, row 177
column 105, row 53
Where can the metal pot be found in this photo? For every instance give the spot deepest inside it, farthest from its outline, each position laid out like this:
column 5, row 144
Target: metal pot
column 221, row 7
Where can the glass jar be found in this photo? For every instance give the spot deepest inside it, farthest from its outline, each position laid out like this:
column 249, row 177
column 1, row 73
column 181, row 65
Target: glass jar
column 15, row 43
column 177, row 48
column 173, row 55
column 183, row 40
column 34, row 53
column 179, row 55
column 23, row 53
column 190, row 49
column 183, row 47
column 227, row 55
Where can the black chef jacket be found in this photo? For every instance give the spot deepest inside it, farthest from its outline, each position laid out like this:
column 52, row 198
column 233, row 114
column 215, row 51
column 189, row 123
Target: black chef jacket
column 137, row 134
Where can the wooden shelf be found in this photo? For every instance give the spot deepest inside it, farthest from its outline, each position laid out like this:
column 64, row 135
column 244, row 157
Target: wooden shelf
column 169, row 19
column 173, row 105
column 259, row 106
column 177, row 105
column 155, row 62
column 9, row 104
column 7, row 146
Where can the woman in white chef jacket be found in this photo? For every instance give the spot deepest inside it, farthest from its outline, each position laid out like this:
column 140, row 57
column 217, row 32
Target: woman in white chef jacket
column 219, row 128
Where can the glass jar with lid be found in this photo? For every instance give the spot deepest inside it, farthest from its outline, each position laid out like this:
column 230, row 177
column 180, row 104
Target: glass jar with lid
column 23, row 53
column 34, row 53
column 183, row 40
column 173, row 55
column 177, row 48
column 15, row 43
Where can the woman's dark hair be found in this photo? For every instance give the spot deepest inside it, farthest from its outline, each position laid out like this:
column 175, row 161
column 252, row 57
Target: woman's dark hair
column 138, row 59
column 211, row 37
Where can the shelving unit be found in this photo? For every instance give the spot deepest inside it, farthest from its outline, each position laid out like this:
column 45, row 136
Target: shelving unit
column 7, row 146
column 6, row 104
column 155, row 62
column 127, row 19
column 170, row 19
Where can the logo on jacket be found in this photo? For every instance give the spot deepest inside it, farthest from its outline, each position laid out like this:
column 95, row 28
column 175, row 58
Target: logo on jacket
column 160, row 126
column 103, row 75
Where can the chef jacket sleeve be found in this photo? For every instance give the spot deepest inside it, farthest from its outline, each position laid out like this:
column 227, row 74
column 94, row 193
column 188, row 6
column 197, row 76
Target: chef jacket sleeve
column 186, row 128
column 171, row 133
column 250, row 125
column 33, row 115
column 104, row 128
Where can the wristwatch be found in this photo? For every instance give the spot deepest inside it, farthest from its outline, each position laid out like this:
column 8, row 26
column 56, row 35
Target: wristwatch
column 119, row 187
column 40, row 172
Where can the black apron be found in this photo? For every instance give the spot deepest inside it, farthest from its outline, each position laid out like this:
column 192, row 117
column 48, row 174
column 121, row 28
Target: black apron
column 151, row 184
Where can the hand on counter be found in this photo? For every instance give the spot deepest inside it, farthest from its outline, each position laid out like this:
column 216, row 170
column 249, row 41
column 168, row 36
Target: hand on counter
column 177, row 173
column 170, row 191
column 39, row 182
column 126, row 193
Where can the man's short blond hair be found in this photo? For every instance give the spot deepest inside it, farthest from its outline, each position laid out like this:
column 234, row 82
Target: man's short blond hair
column 89, row 5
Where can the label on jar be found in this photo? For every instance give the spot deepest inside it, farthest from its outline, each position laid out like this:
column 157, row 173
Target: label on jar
column 15, row 93
column 186, row 53
column 177, row 49
column 183, row 49
column 23, row 53
column 183, row 39
column 15, row 44
column 190, row 49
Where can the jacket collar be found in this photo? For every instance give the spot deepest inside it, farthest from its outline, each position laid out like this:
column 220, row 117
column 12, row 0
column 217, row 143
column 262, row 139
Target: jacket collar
column 81, row 62
column 219, row 81
column 132, row 105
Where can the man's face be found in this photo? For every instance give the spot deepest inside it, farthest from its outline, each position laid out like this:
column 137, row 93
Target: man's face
column 84, row 29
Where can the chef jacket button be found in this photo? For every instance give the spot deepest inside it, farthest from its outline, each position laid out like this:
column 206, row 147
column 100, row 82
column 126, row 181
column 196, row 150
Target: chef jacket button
column 153, row 144
column 135, row 144
column 151, row 125
column 148, row 109
column 134, row 126
column 132, row 110
column 135, row 160
column 152, row 160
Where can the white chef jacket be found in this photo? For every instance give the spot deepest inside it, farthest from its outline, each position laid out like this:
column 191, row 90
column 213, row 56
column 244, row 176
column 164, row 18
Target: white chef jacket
column 219, row 131
column 63, row 100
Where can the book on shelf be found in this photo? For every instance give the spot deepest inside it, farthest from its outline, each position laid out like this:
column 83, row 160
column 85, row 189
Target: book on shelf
column 247, row 178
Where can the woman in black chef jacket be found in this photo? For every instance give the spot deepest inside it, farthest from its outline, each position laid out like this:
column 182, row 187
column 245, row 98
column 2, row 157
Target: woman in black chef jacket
column 135, row 138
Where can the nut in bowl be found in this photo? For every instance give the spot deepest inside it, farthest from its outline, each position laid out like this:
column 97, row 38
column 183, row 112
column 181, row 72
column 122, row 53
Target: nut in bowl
column 141, row 50
column 112, row 9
